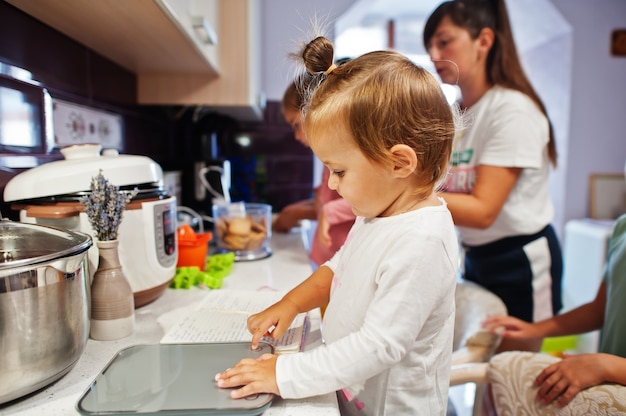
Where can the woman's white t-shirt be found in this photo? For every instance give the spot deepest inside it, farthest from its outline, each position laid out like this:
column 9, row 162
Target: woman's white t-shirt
column 505, row 128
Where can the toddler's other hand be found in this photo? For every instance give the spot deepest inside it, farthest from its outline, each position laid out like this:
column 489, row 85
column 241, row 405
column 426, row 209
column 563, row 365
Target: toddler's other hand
column 251, row 375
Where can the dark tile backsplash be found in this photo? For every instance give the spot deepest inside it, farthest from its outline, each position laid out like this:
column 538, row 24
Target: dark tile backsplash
column 64, row 66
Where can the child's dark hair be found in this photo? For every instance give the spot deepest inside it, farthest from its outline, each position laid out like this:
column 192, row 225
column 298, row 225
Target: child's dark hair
column 292, row 98
column 382, row 99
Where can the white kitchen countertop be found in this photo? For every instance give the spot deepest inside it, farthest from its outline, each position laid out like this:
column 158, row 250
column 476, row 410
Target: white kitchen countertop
column 285, row 268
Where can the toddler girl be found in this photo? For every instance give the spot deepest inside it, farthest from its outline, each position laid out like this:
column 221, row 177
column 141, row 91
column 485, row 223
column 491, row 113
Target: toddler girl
column 383, row 128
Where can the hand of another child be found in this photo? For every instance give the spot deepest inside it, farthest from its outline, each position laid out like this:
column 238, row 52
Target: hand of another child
column 323, row 230
column 562, row 380
column 286, row 220
column 290, row 215
column 514, row 328
column 251, row 375
column 272, row 322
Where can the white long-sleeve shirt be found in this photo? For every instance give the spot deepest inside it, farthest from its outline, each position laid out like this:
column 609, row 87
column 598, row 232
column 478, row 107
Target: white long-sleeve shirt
column 390, row 321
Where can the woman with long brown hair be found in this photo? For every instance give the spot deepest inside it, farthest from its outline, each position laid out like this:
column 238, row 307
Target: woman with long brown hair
column 497, row 188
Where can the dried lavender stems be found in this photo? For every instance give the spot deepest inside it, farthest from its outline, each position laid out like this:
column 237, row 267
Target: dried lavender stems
column 105, row 205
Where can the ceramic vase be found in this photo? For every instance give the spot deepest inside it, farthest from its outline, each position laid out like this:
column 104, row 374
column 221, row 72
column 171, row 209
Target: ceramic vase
column 112, row 302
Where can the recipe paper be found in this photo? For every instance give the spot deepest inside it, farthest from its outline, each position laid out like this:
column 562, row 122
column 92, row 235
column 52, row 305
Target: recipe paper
column 222, row 317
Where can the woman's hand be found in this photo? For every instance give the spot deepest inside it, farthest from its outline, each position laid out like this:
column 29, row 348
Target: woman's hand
column 272, row 322
column 251, row 375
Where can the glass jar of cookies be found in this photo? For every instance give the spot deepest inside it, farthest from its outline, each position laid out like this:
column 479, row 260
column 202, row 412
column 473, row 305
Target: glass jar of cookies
column 244, row 229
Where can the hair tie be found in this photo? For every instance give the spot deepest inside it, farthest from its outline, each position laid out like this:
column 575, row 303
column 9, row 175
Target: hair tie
column 330, row 69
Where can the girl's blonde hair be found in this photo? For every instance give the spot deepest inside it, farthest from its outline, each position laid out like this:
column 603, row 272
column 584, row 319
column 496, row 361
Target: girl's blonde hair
column 383, row 99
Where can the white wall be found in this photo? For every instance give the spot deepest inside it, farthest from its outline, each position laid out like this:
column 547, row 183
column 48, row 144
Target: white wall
column 597, row 132
column 285, row 24
column 596, row 138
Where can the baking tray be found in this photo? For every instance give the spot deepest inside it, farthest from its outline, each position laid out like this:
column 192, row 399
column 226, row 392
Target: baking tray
column 171, row 379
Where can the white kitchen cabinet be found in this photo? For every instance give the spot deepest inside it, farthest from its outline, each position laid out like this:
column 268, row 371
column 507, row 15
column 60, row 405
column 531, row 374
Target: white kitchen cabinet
column 137, row 35
column 155, row 39
column 237, row 89
column 197, row 20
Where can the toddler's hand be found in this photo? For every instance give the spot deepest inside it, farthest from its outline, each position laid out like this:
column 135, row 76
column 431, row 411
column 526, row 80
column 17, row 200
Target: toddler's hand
column 251, row 375
column 272, row 322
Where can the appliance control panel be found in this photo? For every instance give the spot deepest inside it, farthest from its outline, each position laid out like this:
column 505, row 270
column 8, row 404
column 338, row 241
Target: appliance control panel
column 165, row 231
column 78, row 124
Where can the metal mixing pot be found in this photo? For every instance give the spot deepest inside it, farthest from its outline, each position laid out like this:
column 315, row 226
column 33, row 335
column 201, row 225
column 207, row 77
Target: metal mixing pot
column 44, row 315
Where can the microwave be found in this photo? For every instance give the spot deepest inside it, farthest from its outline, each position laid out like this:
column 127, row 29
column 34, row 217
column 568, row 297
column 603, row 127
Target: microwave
column 25, row 117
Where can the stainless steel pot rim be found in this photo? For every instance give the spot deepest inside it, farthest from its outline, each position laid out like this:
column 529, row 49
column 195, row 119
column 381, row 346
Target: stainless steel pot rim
column 17, row 251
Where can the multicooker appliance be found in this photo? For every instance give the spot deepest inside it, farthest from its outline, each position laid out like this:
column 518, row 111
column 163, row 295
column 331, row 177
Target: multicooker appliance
column 49, row 195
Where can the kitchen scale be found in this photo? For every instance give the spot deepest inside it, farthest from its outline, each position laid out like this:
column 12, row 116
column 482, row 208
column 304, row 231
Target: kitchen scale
column 172, row 379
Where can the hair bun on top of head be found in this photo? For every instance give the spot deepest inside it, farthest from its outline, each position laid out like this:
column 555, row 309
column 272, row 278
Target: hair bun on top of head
column 318, row 56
